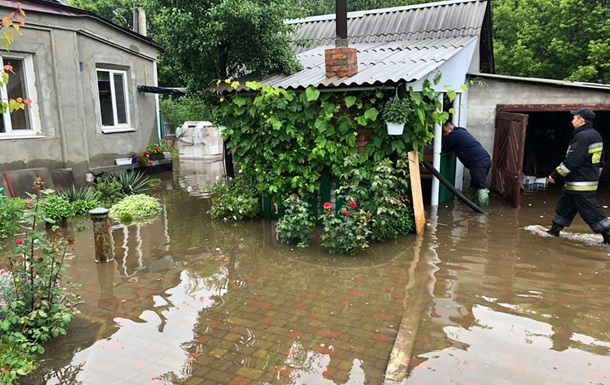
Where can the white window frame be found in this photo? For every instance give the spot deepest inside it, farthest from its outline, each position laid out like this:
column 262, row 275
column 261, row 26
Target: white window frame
column 120, row 127
column 33, row 109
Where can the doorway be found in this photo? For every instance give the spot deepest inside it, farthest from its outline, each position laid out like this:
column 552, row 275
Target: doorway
column 544, row 142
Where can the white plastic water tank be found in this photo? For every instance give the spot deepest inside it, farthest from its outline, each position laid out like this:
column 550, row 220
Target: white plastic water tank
column 199, row 140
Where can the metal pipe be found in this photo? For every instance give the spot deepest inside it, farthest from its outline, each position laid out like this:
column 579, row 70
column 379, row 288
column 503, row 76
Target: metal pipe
column 341, row 23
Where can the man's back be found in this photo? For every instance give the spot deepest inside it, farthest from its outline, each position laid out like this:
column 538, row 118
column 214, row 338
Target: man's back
column 466, row 147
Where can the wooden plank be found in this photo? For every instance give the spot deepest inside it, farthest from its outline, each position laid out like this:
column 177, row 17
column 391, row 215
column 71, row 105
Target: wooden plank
column 416, row 193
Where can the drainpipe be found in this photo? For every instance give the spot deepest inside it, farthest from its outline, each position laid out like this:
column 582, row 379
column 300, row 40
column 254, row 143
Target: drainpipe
column 436, row 157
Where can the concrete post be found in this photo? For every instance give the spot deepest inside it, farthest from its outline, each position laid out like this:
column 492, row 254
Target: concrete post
column 101, row 235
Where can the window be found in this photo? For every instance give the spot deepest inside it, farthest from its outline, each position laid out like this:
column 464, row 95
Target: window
column 20, row 85
column 114, row 101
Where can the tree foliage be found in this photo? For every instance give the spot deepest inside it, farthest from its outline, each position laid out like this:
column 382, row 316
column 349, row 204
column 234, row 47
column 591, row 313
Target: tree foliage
column 210, row 39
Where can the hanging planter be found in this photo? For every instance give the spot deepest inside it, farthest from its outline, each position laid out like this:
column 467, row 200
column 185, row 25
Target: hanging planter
column 395, row 128
column 395, row 113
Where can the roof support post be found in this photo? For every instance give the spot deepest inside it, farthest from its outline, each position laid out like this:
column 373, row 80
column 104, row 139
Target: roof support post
column 459, row 119
column 436, row 156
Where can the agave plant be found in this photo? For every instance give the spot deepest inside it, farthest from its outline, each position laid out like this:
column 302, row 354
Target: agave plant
column 132, row 182
column 73, row 194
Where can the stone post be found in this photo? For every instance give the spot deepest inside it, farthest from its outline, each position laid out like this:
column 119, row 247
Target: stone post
column 101, row 235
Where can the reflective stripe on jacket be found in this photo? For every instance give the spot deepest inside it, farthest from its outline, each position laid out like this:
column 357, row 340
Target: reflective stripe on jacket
column 580, row 169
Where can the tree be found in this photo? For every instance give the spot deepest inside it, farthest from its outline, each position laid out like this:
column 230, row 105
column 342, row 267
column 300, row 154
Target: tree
column 119, row 12
column 208, row 41
column 566, row 39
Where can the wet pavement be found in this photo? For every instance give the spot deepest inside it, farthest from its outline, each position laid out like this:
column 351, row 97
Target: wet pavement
column 476, row 300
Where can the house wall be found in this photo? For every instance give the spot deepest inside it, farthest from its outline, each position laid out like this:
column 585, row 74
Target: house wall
column 66, row 51
column 486, row 93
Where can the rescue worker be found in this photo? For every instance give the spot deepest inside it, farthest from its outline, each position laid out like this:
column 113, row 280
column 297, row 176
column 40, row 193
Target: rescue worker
column 474, row 157
column 580, row 171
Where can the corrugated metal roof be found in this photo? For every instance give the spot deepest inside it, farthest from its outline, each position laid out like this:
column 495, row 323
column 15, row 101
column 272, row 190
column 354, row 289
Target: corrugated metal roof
column 378, row 63
column 423, row 21
column 395, row 45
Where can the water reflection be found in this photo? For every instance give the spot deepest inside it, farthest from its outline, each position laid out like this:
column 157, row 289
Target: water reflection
column 190, row 300
column 509, row 305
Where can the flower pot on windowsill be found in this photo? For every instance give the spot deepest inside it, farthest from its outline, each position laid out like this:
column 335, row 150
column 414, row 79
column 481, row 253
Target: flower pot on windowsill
column 155, row 156
column 395, row 128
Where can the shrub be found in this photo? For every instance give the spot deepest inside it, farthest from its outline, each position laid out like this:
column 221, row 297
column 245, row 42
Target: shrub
column 81, row 208
column 10, row 212
column 396, row 110
column 36, row 304
column 135, row 207
column 55, row 208
column 382, row 192
column 235, row 199
column 346, row 232
column 110, row 191
column 294, row 227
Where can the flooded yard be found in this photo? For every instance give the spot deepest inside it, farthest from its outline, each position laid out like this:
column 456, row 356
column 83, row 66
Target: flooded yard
column 476, row 300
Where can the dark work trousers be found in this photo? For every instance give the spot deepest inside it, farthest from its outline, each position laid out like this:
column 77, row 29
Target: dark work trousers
column 478, row 173
column 585, row 204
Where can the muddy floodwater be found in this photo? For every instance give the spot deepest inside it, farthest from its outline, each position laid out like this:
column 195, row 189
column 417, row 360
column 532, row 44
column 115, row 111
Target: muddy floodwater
column 479, row 299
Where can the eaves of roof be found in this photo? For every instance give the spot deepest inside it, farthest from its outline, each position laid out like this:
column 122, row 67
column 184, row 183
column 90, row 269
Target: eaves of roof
column 551, row 82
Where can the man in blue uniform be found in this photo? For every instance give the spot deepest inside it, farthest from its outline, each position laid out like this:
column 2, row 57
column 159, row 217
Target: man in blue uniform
column 474, row 157
column 580, row 173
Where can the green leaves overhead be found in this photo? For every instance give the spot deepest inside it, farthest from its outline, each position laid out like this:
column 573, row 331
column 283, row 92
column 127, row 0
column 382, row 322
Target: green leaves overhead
column 285, row 139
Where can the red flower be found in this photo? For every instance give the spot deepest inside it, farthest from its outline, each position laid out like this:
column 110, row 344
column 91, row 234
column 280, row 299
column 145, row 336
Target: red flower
column 157, row 149
column 146, row 153
column 345, row 213
column 138, row 156
column 109, row 225
column 352, row 204
column 328, row 206
column 168, row 138
column 150, row 162
column 20, row 241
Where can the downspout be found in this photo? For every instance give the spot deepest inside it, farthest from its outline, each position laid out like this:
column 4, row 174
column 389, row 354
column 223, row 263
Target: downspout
column 436, row 157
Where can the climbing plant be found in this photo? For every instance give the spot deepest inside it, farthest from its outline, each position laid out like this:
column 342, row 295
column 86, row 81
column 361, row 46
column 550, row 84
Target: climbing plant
column 284, row 139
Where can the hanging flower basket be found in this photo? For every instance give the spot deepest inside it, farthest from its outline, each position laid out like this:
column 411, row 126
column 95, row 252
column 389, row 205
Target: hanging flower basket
column 395, row 113
column 395, row 128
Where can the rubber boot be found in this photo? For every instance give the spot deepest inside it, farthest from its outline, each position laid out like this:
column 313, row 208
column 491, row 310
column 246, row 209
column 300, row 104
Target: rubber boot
column 606, row 235
column 554, row 230
column 483, row 197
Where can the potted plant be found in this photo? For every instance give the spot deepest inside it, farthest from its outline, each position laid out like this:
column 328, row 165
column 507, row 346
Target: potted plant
column 395, row 113
column 154, row 152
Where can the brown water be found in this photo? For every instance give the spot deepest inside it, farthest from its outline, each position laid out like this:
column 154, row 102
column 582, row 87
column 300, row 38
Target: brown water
column 489, row 300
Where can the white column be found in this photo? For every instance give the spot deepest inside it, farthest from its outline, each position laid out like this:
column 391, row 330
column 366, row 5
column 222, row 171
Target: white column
column 459, row 119
column 436, row 157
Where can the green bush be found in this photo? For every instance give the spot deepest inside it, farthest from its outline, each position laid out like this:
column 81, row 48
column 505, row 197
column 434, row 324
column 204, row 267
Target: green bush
column 10, row 212
column 235, row 199
column 110, row 191
column 36, row 303
column 135, row 207
column 55, row 208
column 296, row 224
column 81, row 208
column 178, row 110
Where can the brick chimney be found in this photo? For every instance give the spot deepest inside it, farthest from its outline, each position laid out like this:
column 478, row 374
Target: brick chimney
column 341, row 61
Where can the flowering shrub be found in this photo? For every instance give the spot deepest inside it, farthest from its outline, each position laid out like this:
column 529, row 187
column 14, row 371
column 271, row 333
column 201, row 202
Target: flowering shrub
column 135, row 207
column 154, row 148
column 382, row 192
column 234, row 199
column 143, row 159
column 294, row 227
column 346, row 233
column 35, row 302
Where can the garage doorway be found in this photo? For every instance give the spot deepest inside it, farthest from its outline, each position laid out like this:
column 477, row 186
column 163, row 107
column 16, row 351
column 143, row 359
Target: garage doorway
column 543, row 143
